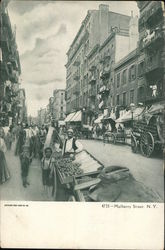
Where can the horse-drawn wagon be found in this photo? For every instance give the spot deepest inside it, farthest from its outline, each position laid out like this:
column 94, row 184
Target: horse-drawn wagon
column 148, row 132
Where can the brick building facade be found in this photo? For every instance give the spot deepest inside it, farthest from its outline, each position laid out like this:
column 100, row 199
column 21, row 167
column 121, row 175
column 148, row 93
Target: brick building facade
column 88, row 60
column 59, row 104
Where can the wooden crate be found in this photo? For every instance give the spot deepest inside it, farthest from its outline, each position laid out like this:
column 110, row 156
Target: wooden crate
column 68, row 179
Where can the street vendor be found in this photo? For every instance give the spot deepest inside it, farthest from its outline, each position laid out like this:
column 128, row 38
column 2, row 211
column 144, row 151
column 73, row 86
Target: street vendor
column 71, row 145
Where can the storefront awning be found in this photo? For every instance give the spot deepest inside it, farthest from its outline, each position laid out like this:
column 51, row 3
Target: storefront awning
column 77, row 117
column 98, row 120
column 128, row 115
column 69, row 117
column 156, row 108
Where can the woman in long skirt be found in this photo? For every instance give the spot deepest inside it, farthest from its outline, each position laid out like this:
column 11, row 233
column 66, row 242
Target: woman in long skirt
column 4, row 172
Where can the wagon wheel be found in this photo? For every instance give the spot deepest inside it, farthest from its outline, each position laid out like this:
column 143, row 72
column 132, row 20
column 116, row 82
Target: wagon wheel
column 114, row 139
column 147, row 144
column 133, row 144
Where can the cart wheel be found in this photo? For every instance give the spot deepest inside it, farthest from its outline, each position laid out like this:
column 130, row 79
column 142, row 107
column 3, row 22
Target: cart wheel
column 147, row 144
column 133, row 144
column 71, row 198
column 113, row 139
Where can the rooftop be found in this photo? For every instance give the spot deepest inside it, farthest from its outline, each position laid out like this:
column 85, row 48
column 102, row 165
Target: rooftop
column 128, row 57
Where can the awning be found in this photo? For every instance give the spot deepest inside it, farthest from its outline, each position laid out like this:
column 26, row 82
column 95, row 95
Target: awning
column 98, row 120
column 77, row 117
column 128, row 115
column 69, row 117
column 156, row 108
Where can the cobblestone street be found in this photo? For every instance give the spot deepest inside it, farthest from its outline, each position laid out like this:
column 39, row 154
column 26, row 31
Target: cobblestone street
column 149, row 171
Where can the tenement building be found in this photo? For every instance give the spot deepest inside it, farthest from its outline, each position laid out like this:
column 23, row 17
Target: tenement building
column 126, row 81
column 10, row 70
column 151, row 51
column 98, row 43
column 59, row 105
column 42, row 116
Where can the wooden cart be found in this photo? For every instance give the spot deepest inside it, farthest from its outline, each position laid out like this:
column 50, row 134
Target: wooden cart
column 148, row 135
column 88, row 173
column 115, row 137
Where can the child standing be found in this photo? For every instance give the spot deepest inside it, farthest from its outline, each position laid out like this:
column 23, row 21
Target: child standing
column 25, row 159
column 48, row 172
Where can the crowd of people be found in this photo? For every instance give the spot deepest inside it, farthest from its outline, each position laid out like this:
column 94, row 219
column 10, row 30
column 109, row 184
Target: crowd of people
column 43, row 143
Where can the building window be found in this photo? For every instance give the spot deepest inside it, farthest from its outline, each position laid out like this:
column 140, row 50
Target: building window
column 124, row 99
column 132, row 96
column 118, row 80
column 132, row 73
column 117, row 99
column 80, row 101
column 61, row 108
column 124, row 77
column 141, row 69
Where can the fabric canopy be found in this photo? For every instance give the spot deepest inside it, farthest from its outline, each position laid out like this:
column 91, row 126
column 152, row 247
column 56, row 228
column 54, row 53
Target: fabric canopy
column 69, row 117
column 156, row 108
column 98, row 120
column 128, row 115
column 77, row 117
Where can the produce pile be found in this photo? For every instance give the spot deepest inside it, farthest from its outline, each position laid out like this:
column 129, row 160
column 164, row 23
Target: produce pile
column 68, row 168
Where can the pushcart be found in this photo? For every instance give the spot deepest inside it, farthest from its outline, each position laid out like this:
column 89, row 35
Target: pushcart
column 115, row 137
column 90, row 168
column 113, row 184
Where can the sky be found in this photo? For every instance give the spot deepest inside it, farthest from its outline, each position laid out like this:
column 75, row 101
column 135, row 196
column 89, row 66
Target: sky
column 44, row 33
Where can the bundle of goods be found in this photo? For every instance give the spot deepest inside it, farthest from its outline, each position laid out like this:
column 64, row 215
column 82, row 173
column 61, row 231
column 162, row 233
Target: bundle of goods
column 118, row 184
column 69, row 168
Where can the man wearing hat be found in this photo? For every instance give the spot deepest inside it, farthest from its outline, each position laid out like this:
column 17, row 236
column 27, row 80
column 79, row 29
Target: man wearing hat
column 71, row 145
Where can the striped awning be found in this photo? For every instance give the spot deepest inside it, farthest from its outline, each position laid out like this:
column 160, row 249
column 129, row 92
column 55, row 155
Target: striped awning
column 77, row 117
column 70, row 117
column 156, row 108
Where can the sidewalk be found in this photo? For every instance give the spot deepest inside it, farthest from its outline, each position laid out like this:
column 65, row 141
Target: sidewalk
column 13, row 189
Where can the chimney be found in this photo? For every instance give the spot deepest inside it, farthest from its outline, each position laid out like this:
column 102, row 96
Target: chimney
column 103, row 7
column 133, row 32
column 103, row 21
